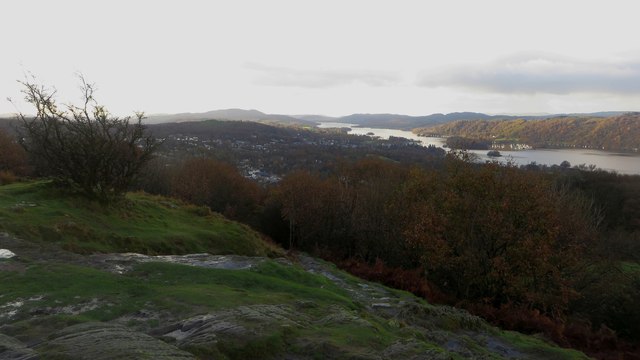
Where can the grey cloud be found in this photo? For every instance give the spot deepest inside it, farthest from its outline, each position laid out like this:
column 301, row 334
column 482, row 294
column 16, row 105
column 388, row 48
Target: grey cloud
column 531, row 73
column 280, row 76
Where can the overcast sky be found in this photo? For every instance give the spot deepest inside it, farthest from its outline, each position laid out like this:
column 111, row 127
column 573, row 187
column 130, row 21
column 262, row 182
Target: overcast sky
column 328, row 57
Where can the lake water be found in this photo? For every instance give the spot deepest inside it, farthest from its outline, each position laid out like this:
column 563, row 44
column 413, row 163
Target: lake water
column 610, row 161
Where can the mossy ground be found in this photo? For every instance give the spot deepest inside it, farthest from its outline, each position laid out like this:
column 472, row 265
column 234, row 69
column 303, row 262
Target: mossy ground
column 54, row 296
column 179, row 289
column 63, row 295
column 540, row 346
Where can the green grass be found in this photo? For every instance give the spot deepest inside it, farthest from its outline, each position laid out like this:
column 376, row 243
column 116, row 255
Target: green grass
column 355, row 335
column 141, row 223
column 630, row 268
column 540, row 347
column 184, row 291
column 177, row 288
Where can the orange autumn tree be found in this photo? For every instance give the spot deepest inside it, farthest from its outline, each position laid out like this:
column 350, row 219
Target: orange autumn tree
column 216, row 184
column 496, row 234
column 369, row 189
column 348, row 213
column 311, row 207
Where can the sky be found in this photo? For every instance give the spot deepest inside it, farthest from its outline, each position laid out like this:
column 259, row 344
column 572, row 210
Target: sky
column 326, row 57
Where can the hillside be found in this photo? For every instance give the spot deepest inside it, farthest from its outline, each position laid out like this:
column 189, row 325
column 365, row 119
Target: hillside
column 386, row 121
column 406, row 122
column 145, row 224
column 228, row 114
column 617, row 133
column 70, row 293
column 261, row 147
column 393, row 121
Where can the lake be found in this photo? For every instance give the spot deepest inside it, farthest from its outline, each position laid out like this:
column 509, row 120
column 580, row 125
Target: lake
column 611, row 161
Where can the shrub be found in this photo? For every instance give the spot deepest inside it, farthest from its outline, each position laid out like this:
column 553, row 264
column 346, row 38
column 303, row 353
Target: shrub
column 84, row 147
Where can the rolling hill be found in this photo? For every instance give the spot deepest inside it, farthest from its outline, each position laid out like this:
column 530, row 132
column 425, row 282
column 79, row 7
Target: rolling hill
column 616, row 133
column 228, row 114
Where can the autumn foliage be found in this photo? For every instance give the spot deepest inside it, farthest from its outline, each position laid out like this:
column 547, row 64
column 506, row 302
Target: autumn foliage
column 206, row 181
column 523, row 248
column 491, row 233
column 496, row 234
column 351, row 213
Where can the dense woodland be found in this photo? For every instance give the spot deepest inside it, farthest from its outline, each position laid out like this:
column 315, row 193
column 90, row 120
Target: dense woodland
column 552, row 250
column 459, row 142
column 534, row 250
column 617, row 133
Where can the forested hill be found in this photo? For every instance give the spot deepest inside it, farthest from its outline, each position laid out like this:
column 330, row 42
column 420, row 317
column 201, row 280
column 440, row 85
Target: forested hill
column 406, row 122
column 230, row 115
column 616, row 133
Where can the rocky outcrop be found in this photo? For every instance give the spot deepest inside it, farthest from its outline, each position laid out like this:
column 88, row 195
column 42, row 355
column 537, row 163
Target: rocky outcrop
column 92, row 341
column 337, row 316
column 13, row 349
column 121, row 263
column 6, row 254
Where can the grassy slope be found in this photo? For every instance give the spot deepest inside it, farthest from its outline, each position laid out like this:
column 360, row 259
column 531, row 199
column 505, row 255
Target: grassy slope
column 144, row 224
column 159, row 225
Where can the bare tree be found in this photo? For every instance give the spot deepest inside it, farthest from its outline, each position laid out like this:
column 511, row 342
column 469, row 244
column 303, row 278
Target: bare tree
column 84, row 147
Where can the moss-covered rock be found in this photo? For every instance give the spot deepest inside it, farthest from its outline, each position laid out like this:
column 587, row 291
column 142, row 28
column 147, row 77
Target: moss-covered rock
column 103, row 341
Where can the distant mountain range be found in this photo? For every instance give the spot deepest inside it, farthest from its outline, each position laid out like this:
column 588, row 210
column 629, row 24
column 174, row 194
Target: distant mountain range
column 391, row 121
column 394, row 121
column 228, row 114
column 406, row 122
